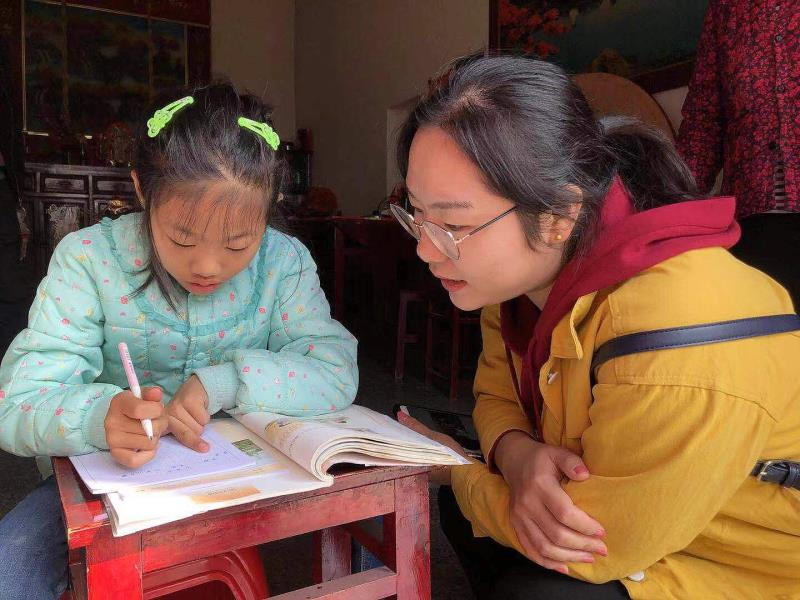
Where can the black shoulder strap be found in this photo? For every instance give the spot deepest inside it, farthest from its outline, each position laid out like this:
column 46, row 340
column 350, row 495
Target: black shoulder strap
column 694, row 335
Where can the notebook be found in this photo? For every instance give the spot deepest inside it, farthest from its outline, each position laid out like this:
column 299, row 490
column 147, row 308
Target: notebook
column 173, row 462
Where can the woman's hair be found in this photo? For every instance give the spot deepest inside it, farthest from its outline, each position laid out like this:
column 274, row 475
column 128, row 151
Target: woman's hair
column 530, row 131
column 200, row 146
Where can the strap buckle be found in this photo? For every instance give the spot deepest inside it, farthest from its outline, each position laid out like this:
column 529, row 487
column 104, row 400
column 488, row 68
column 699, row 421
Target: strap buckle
column 762, row 473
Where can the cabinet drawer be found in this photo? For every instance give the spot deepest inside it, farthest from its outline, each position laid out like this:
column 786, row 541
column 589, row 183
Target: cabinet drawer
column 65, row 184
column 112, row 186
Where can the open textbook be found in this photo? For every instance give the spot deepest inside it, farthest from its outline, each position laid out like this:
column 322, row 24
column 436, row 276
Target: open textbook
column 287, row 455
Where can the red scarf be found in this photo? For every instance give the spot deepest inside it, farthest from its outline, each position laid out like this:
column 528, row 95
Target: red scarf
column 627, row 243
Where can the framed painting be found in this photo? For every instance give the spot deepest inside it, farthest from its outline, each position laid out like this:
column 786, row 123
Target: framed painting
column 45, row 65
column 88, row 66
column 107, row 68
column 651, row 42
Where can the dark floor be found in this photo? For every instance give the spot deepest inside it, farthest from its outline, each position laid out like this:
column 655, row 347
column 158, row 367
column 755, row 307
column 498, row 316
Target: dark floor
column 378, row 391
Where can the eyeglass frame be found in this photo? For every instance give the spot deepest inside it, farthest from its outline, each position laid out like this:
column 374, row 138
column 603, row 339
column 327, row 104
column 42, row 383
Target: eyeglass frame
column 397, row 212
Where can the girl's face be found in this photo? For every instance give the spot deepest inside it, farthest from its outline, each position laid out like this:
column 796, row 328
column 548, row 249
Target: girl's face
column 497, row 263
column 202, row 242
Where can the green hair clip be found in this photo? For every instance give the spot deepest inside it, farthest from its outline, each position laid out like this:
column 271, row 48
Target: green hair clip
column 261, row 129
column 164, row 115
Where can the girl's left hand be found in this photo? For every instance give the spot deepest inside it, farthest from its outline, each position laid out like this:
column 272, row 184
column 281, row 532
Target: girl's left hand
column 438, row 474
column 188, row 414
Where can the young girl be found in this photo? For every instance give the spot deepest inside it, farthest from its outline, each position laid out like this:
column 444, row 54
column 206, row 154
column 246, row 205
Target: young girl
column 634, row 479
column 219, row 311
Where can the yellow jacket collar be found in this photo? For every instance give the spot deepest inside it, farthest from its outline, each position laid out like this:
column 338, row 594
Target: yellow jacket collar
column 565, row 342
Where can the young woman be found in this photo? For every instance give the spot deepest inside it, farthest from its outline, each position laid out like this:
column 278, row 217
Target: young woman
column 632, row 479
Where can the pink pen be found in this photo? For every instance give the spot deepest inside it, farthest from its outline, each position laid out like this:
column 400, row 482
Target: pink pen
column 133, row 383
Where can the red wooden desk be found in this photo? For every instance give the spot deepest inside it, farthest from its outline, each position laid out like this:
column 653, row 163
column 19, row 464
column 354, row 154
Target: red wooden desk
column 103, row 566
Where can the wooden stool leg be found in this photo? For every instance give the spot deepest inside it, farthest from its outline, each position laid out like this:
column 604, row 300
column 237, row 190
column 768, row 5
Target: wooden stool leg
column 338, row 274
column 332, row 555
column 455, row 349
column 400, row 351
column 429, row 346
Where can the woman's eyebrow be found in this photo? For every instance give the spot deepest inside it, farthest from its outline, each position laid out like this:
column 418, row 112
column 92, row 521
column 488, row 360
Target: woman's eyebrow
column 452, row 204
column 445, row 205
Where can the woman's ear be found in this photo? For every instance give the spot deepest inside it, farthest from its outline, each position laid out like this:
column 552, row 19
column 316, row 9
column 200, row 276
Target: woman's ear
column 138, row 188
column 557, row 229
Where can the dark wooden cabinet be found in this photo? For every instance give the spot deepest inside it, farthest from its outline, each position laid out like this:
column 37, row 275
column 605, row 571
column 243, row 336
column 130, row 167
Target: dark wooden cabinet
column 50, row 187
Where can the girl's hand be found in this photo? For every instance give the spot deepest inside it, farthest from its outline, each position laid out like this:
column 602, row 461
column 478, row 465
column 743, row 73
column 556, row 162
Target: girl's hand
column 127, row 441
column 188, row 414
column 438, row 474
column 552, row 530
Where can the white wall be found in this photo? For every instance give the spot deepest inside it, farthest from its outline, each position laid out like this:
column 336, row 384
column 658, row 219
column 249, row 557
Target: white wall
column 359, row 66
column 348, row 70
column 395, row 117
column 355, row 60
column 252, row 44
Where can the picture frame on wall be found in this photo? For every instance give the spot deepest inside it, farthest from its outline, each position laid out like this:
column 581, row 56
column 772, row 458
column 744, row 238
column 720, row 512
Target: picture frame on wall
column 90, row 63
column 651, row 42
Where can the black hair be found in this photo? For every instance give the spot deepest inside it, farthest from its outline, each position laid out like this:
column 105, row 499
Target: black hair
column 202, row 144
column 531, row 132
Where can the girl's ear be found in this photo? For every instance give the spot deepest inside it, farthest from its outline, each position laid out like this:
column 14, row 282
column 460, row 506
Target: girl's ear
column 138, row 188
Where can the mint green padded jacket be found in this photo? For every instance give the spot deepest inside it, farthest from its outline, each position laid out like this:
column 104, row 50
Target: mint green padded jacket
column 264, row 340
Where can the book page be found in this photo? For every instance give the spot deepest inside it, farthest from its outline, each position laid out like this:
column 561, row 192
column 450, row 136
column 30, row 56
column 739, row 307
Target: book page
column 173, row 462
column 300, row 439
column 312, row 441
column 272, row 474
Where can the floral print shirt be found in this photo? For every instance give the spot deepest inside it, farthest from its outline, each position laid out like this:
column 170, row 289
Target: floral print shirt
column 743, row 108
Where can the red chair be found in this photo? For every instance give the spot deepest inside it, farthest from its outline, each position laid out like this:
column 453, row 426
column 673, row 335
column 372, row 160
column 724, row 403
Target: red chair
column 446, row 313
column 233, row 575
column 403, row 335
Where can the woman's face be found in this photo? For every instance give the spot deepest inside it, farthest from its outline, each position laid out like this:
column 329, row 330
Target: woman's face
column 497, row 263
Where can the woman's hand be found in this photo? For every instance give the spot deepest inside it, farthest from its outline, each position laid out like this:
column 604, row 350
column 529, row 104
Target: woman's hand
column 552, row 530
column 127, row 441
column 188, row 414
column 438, row 474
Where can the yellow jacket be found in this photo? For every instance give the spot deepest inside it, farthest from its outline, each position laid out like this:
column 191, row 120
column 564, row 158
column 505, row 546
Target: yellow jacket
column 669, row 437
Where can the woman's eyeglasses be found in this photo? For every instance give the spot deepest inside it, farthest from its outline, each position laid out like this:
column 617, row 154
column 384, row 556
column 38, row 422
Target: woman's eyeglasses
column 441, row 238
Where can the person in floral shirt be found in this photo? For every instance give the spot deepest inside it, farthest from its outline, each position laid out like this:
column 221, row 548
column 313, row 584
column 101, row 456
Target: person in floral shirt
column 742, row 114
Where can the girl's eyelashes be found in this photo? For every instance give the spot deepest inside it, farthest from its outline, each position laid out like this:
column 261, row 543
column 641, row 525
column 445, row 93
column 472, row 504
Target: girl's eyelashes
column 179, row 245
column 247, row 240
